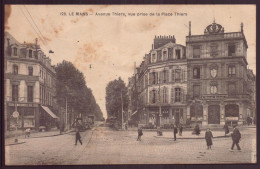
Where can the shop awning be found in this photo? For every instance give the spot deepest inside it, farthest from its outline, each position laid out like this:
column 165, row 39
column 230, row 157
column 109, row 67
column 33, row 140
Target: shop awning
column 46, row 109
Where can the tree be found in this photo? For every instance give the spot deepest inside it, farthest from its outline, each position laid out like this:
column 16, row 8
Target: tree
column 71, row 84
column 114, row 90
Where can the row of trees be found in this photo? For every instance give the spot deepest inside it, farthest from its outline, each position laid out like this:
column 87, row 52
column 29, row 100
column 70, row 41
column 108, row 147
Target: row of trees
column 116, row 97
column 71, row 85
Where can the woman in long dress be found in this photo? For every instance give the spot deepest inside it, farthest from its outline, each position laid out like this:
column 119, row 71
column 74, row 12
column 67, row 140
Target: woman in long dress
column 208, row 137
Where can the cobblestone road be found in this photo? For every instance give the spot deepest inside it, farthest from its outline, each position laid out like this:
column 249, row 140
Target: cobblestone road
column 105, row 146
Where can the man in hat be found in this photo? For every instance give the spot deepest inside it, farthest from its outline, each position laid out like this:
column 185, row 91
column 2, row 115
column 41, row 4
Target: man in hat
column 236, row 136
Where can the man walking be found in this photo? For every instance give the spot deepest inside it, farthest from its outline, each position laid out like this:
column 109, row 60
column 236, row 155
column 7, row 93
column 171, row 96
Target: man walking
column 236, row 136
column 175, row 131
column 78, row 137
column 180, row 129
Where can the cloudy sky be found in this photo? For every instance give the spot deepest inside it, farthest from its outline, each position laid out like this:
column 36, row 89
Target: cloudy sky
column 111, row 44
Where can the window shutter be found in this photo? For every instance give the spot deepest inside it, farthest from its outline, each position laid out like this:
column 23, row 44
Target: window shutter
column 172, row 95
column 161, row 77
column 181, row 95
column 166, row 95
column 161, row 95
column 156, row 77
column 173, row 75
column 167, row 76
column 151, row 96
column 182, row 77
column 156, row 96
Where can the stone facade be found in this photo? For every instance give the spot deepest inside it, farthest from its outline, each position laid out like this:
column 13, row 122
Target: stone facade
column 29, row 84
column 215, row 86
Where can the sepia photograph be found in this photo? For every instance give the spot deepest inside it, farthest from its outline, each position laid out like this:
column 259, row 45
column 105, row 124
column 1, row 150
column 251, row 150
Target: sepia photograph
column 129, row 84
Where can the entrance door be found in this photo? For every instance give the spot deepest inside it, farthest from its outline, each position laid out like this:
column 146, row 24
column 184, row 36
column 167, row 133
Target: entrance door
column 214, row 114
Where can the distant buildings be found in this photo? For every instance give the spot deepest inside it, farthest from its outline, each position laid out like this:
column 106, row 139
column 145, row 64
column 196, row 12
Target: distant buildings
column 206, row 82
column 29, row 85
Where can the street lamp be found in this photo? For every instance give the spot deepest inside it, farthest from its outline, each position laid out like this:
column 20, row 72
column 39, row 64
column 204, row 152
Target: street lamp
column 160, row 107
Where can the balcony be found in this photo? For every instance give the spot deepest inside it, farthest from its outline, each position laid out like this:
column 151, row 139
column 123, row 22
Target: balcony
column 232, row 35
column 20, row 99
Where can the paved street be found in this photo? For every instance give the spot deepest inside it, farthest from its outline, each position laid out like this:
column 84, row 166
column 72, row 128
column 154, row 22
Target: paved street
column 102, row 145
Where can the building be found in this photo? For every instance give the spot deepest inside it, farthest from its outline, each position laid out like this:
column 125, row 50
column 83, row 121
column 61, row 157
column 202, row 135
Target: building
column 218, row 90
column 159, row 86
column 29, row 85
column 207, row 82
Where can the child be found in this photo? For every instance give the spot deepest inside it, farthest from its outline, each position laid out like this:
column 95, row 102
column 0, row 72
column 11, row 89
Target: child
column 140, row 133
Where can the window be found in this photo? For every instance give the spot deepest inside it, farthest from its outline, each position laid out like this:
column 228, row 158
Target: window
column 35, row 54
column 15, row 69
column 196, row 51
column 178, row 53
column 231, row 71
column 177, row 94
column 165, row 76
column 159, row 55
column 15, row 51
column 231, row 50
column 154, row 96
column 14, row 92
column 153, row 57
column 165, row 100
column 29, row 93
column 196, row 91
column 196, row 73
column 213, row 89
column 154, row 78
column 178, row 75
column 231, row 88
column 172, row 95
column 30, row 71
column 164, row 55
column 213, row 50
column 30, row 53
column 170, row 53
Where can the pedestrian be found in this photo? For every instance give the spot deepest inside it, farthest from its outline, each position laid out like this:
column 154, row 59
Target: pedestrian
column 197, row 129
column 208, row 138
column 126, row 127
column 78, row 137
column 27, row 132
column 226, row 129
column 180, row 129
column 248, row 120
column 140, row 133
column 236, row 136
column 175, row 131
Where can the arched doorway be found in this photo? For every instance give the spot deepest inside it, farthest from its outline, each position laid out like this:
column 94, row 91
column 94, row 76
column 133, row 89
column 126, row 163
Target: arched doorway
column 214, row 114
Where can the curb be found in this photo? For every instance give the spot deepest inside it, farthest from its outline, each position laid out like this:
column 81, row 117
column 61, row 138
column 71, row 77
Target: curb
column 190, row 137
column 15, row 143
column 53, row 135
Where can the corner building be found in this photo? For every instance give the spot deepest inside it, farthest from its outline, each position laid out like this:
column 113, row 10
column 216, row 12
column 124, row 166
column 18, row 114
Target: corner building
column 29, row 85
column 218, row 88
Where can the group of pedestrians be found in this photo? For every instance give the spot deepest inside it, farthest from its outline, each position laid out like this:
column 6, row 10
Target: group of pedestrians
column 236, row 135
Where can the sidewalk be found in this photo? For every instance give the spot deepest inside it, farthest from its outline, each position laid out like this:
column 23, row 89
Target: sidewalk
column 189, row 135
column 191, row 129
column 9, row 140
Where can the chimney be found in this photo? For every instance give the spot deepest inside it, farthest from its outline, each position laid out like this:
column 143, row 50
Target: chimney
column 242, row 25
column 189, row 28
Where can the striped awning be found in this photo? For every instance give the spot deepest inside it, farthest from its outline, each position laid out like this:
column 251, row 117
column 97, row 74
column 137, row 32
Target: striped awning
column 47, row 110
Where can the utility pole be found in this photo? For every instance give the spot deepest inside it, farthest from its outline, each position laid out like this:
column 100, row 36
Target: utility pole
column 122, row 107
column 160, row 107
column 66, row 112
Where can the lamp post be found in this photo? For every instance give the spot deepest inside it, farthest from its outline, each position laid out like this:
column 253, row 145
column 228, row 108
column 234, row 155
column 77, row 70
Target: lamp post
column 160, row 107
column 122, row 108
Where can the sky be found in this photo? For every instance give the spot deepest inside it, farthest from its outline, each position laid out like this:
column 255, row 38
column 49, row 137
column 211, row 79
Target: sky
column 111, row 44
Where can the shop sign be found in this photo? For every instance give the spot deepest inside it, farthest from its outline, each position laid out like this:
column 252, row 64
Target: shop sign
column 231, row 118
